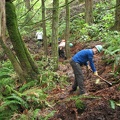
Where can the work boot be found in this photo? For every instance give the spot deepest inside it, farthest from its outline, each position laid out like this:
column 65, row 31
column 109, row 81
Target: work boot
column 72, row 90
column 81, row 93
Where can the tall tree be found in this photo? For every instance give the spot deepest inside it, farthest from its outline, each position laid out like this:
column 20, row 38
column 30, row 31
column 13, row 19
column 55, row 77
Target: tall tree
column 8, row 52
column 55, row 20
column 44, row 27
column 2, row 18
column 117, row 16
column 89, row 11
column 27, row 5
column 67, row 28
column 24, row 58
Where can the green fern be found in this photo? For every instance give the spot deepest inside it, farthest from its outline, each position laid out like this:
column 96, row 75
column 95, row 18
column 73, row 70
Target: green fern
column 7, row 104
column 4, row 75
column 6, row 81
column 49, row 115
column 18, row 99
column 6, row 114
column 35, row 113
column 12, row 102
column 6, row 72
column 28, row 85
column 80, row 104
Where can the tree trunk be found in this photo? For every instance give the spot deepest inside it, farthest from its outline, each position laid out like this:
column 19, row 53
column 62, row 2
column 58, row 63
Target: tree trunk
column 117, row 16
column 67, row 29
column 27, row 5
column 55, row 20
column 89, row 11
column 25, row 60
column 14, row 61
column 44, row 28
column 8, row 52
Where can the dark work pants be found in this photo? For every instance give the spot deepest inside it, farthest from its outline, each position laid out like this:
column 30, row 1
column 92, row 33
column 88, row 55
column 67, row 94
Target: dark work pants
column 40, row 43
column 61, row 53
column 79, row 79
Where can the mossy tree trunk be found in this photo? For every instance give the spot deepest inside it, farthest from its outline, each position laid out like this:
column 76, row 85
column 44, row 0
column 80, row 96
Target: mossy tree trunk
column 55, row 20
column 8, row 52
column 117, row 16
column 67, row 29
column 24, row 58
column 44, row 28
column 14, row 61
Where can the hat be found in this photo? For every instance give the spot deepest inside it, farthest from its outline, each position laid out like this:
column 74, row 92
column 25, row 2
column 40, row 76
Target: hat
column 70, row 45
column 99, row 48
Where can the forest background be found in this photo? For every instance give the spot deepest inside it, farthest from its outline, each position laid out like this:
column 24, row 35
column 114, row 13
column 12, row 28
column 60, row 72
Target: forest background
column 28, row 74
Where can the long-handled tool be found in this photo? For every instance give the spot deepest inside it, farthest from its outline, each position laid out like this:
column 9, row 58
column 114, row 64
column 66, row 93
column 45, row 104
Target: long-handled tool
column 104, row 79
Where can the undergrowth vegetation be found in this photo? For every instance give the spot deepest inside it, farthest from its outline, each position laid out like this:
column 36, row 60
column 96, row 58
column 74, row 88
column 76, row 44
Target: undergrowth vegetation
column 25, row 101
column 28, row 98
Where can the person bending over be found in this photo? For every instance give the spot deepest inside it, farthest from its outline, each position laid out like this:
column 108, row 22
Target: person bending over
column 83, row 57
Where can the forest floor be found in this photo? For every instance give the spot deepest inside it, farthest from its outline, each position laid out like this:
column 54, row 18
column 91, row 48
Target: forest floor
column 102, row 101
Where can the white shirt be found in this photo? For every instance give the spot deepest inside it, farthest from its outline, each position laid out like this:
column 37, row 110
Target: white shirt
column 39, row 35
column 62, row 44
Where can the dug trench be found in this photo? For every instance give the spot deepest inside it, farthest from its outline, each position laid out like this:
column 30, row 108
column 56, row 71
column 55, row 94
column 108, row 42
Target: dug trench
column 102, row 101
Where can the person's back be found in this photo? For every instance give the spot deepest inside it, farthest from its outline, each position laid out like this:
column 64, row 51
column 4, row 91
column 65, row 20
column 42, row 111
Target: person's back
column 83, row 57
column 61, row 47
column 62, row 44
column 39, row 35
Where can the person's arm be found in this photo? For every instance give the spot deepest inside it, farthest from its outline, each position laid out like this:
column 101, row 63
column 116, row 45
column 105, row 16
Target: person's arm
column 92, row 64
column 86, row 64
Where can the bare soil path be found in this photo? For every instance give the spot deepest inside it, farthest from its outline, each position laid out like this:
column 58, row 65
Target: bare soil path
column 103, row 101
column 99, row 103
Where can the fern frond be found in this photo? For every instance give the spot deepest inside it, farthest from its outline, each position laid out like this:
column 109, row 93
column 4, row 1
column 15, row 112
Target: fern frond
column 12, row 90
column 6, row 114
column 35, row 113
column 37, row 92
column 18, row 99
column 6, row 81
column 6, row 69
column 7, row 103
column 4, row 75
column 113, row 52
column 27, row 85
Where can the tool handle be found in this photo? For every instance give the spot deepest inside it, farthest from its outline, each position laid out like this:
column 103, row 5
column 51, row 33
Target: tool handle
column 105, row 80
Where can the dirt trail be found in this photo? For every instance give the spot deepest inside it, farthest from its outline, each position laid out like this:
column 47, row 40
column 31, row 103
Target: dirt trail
column 97, row 103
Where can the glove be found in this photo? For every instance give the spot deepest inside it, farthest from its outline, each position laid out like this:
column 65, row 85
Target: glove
column 96, row 73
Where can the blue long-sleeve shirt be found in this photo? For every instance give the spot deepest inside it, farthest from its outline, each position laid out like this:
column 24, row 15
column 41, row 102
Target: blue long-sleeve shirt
column 83, row 56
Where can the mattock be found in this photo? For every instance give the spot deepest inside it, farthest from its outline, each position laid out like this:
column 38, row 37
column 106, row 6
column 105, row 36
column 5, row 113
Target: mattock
column 105, row 80
column 109, row 83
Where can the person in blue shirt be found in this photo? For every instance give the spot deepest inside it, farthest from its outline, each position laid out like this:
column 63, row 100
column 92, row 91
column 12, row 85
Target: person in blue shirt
column 83, row 57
